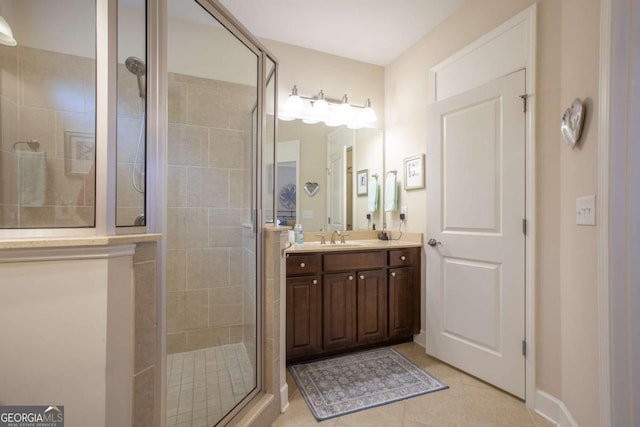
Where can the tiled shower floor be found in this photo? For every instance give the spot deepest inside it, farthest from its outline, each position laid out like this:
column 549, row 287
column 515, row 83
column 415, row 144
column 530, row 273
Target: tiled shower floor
column 205, row 384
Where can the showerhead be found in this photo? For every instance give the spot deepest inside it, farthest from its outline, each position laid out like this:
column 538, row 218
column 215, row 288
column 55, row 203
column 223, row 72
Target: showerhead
column 135, row 65
column 138, row 68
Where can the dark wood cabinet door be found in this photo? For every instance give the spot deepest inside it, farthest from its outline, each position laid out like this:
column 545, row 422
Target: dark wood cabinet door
column 372, row 306
column 338, row 310
column 400, row 302
column 304, row 295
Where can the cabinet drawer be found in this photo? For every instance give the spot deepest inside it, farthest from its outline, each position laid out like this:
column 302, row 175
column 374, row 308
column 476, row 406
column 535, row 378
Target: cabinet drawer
column 400, row 258
column 303, row 264
column 355, row 261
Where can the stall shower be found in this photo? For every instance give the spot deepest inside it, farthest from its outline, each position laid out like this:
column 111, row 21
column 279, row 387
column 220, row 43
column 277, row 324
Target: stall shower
column 212, row 256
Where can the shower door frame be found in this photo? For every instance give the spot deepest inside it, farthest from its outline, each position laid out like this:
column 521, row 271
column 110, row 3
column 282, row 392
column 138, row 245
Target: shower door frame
column 157, row 121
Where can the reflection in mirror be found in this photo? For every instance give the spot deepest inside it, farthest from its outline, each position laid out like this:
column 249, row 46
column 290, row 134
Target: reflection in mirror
column 131, row 123
column 319, row 165
column 47, row 94
column 212, row 346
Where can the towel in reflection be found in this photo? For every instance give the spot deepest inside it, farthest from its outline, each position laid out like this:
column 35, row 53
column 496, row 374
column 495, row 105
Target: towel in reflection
column 372, row 195
column 31, row 172
column 391, row 193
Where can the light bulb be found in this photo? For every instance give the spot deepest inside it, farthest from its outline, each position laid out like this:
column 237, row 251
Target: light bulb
column 367, row 115
column 319, row 108
column 294, row 104
column 6, row 35
column 345, row 112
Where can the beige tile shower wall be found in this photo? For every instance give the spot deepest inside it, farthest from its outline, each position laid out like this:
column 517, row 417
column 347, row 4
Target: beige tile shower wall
column 43, row 94
column 209, row 178
column 129, row 127
column 249, row 336
column 8, row 133
column 145, row 372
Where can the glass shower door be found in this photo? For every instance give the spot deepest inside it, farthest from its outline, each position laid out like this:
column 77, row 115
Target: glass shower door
column 213, row 361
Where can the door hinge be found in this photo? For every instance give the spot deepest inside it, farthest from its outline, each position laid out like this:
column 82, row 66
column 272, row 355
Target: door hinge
column 524, row 348
column 329, row 220
column 524, row 98
column 524, row 226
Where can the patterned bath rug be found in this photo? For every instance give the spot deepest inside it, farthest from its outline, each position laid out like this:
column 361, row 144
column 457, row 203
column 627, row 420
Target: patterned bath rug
column 357, row 381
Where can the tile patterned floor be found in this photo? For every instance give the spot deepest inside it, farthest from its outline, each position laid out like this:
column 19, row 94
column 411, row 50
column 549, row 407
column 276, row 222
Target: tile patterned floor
column 467, row 403
column 205, row 384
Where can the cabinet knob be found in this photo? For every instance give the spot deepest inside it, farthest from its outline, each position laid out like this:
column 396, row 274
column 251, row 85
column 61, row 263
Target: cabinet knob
column 302, row 265
column 314, row 282
column 403, row 257
column 350, row 277
column 393, row 274
column 362, row 276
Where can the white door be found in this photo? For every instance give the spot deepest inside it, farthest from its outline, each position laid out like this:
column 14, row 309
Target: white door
column 337, row 143
column 476, row 205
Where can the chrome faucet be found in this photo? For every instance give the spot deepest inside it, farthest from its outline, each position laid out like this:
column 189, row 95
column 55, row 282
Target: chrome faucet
column 333, row 236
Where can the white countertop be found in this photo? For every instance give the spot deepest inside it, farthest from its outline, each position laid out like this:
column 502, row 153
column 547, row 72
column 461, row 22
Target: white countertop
column 58, row 242
column 365, row 242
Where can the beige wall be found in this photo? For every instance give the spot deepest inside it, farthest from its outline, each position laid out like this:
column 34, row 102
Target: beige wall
column 579, row 321
column 567, row 55
column 311, row 71
column 69, row 312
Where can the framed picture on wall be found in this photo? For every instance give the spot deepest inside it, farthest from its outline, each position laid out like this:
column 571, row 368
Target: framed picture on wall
column 79, row 152
column 362, row 180
column 414, row 172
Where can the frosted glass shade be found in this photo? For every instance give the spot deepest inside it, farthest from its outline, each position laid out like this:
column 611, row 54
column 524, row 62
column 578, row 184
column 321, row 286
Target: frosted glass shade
column 6, row 34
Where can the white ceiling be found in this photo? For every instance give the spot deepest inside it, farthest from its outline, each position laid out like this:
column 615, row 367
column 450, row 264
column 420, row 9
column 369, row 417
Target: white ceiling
column 373, row 31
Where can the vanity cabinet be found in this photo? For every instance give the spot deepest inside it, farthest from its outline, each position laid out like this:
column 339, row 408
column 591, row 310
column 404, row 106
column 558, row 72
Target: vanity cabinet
column 400, row 301
column 343, row 301
column 371, row 308
column 402, row 313
column 304, row 305
column 338, row 310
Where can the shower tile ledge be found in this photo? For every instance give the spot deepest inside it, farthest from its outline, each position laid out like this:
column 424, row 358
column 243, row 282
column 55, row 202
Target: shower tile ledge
column 65, row 242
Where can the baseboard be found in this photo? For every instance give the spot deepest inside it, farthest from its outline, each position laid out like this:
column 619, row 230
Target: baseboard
column 553, row 410
column 284, row 397
column 421, row 339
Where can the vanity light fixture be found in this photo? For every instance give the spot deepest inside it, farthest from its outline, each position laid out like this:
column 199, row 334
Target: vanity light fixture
column 332, row 112
column 293, row 107
column 6, row 35
column 320, row 107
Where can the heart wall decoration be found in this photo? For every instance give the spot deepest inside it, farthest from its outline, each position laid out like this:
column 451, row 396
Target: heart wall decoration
column 572, row 122
column 311, row 188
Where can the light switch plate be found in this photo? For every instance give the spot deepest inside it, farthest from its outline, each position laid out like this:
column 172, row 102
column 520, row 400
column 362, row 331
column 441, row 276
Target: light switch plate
column 586, row 210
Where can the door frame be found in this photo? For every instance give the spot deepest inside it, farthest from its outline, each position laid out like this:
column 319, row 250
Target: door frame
column 352, row 144
column 617, row 203
column 517, row 35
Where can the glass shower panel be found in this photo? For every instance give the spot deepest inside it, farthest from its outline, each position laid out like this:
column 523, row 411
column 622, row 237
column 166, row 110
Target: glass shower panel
column 131, row 123
column 212, row 347
column 47, row 126
column 269, row 152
